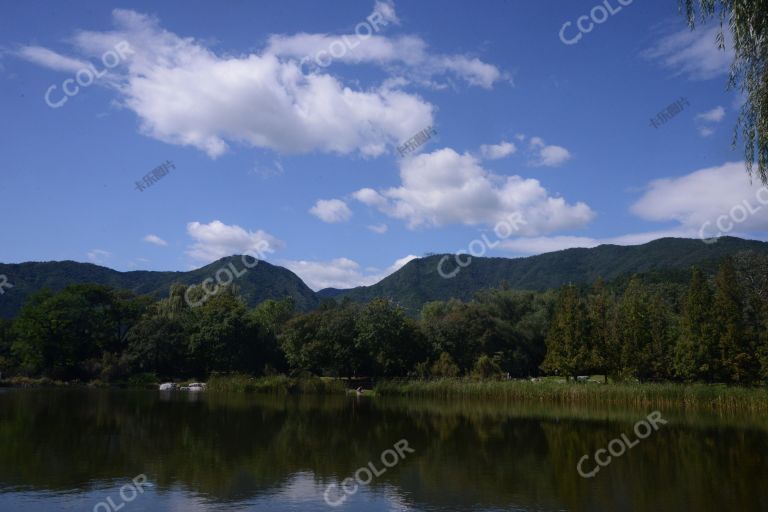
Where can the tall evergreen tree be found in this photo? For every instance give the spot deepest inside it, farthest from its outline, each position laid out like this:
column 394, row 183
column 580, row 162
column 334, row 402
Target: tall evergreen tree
column 736, row 359
column 600, row 333
column 568, row 351
column 635, row 331
column 695, row 347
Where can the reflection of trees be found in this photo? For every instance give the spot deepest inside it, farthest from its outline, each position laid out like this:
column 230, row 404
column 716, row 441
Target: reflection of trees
column 468, row 455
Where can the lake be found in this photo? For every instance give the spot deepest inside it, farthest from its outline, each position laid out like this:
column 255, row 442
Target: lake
column 107, row 450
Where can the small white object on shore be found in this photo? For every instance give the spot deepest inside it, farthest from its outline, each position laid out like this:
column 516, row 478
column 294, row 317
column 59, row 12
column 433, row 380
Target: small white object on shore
column 193, row 386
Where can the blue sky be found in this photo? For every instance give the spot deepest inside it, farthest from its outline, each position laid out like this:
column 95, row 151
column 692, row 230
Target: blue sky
column 283, row 119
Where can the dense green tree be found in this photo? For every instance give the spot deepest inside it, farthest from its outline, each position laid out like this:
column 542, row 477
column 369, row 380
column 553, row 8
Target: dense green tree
column 568, row 350
column 695, row 350
column 389, row 337
column 445, row 367
column 221, row 338
column 599, row 313
column 634, row 332
column 325, row 341
column 737, row 361
column 459, row 329
column 486, row 368
column 65, row 335
column 662, row 338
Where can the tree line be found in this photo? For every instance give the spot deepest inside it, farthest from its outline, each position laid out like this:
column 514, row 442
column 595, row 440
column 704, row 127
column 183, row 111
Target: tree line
column 708, row 329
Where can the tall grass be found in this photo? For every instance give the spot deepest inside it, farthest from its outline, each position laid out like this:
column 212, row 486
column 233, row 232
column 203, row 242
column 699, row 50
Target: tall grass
column 279, row 384
column 719, row 398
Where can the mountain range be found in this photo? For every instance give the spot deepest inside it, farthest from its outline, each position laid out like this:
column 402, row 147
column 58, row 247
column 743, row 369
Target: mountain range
column 416, row 283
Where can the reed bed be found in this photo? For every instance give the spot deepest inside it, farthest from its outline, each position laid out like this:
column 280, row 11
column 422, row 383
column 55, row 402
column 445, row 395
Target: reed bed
column 719, row 398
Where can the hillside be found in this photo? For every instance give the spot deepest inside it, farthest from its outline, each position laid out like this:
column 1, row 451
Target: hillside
column 411, row 286
column 419, row 281
column 264, row 281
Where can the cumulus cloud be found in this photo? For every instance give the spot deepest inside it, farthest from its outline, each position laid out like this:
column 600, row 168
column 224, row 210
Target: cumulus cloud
column 497, row 151
column 185, row 94
column 703, row 196
column 216, row 240
column 156, row 240
column 547, row 155
column 402, row 56
column 695, row 203
column 693, row 53
column 331, row 210
column 340, row 272
column 444, row 187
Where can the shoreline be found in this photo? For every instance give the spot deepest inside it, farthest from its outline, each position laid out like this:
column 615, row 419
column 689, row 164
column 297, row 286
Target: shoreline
column 674, row 396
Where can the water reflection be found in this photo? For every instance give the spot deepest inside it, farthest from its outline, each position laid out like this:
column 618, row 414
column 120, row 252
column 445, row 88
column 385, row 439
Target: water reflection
column 70, row 449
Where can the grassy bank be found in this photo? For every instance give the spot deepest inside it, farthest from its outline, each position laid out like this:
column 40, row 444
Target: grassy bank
column 695, row 396
column 279, row 384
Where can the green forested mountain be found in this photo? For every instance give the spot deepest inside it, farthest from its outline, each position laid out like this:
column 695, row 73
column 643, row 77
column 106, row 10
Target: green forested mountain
column 416, row 283
column 262, row 282
column 669, row 259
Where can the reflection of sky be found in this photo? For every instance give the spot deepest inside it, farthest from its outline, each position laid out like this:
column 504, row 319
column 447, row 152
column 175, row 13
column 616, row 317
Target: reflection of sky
column 301, row 492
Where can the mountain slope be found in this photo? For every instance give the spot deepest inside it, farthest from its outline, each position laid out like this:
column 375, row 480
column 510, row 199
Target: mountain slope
column 419, row 281
column 264, row 281
column 411, row 286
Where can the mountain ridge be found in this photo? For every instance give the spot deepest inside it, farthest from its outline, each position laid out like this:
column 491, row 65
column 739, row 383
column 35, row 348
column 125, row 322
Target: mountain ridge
column 416, row 283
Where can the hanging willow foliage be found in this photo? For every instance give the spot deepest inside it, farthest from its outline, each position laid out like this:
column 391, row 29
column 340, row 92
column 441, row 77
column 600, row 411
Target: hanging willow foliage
column 748, row 22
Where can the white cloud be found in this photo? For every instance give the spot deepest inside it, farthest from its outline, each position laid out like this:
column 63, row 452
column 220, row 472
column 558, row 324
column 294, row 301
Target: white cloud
column 712, row 116
column 702, row 197
column 98, row 256
column 444, row 187
column 402, row 56
column 185, row 94
column 50, row 59
column 693, row 53
column 156, row 240
column 217, row 240
column 386, row 8
column 340, row 272
column 496, row 151
column 379, row 228
column 547, row 155
column 693, row 202
column 331, row 210
column 705, row 131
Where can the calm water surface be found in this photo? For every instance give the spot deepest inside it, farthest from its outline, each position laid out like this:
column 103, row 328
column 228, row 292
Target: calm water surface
column 75, row 449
